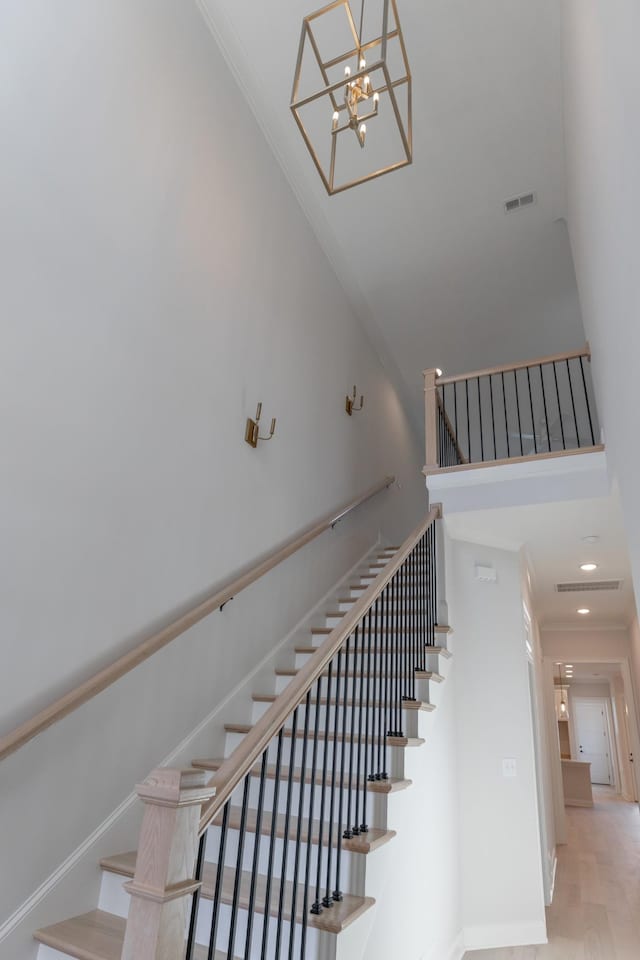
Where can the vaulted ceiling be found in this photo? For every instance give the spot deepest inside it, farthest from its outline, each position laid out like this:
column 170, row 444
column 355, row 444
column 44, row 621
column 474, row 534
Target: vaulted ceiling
column 438, row 273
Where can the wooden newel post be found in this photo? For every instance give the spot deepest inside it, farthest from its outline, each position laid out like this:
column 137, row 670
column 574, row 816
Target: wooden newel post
column 167, row 850
column 431, row 420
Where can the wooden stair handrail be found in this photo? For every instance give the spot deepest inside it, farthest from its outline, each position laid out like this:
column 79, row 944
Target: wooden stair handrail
column 243, row 758
column 146, row 648
column 520, row 365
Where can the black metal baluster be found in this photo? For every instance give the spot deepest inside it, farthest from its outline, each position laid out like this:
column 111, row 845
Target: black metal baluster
column 555, row 377
column 238, row 877
column 298, row 853
column 480, row 416
column 506, row 418
column 573, row 404
column 455, row 411
column 493, row 418
column 434, row 583
column 397, row 698
column 307, row 868
column 272, row 846
column 386, row 595
column 337, row 893
column 515, row 380
column 217, row 893
column 348, row 833
column 323, row 789
column 360, row 773
column 533, row 421
column 544, row 403
column 377, row 695
column 195, row 899
column 285, row 836
column 316, row 907
column 586, row 400
column 328, row 898
column 256, row 857
column 468, row 420
column 428, row 587
column 368, row 754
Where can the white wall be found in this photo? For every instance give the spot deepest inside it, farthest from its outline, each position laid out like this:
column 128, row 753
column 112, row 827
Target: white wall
column 602, row 100
column 544, row 739
column 584, row 646
column 158, row 279
column 502, row 888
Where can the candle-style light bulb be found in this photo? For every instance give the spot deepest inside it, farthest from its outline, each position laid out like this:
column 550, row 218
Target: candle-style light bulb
column 363, row 63
column 367, row 84
column 336, row 119
column 376, row 99
column 347, row 71
column 362, row 133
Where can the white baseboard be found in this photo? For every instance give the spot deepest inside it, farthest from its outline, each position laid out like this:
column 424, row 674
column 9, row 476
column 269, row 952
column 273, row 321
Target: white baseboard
column 495, row 936
column 38, row 895
column 554, row 870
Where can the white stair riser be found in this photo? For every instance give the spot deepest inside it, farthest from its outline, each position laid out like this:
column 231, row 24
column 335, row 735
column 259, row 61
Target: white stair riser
column 203, row 930
column 234, row 739
column 380, row 661
column 408, row 719
column 350, row 871
column 269, row 796
column 422, row 686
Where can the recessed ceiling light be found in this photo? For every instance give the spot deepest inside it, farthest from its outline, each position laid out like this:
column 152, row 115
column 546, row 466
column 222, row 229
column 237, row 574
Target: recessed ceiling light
column 588, row 567
column 569, row 666
column 558, row 663
column 592, row 538
column 583, row 611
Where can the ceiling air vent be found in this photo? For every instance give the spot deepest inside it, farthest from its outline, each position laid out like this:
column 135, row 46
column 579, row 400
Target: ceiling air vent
column 518, row 203
column 588, row 586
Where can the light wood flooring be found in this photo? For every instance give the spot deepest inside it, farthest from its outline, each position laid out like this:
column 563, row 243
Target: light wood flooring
column 595, row 913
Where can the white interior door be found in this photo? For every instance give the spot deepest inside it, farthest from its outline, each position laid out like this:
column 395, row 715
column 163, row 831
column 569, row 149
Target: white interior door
column 592, row 733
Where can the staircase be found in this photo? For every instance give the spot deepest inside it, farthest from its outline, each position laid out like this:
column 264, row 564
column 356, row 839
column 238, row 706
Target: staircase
column 283, row 864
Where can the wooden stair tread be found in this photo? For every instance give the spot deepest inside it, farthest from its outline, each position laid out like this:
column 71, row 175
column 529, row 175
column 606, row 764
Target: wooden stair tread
column 419, row 674
column 245, row 728
column 95, row 936
column 440, row 651
column 410, row 629
column 408, row 705
column 332, row 919
column 365, row 843
column 392, row 785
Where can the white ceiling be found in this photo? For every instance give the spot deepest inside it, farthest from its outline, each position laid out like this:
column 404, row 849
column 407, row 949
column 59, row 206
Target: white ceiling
column 552, row 536
column 588, row 673
column 437, row 271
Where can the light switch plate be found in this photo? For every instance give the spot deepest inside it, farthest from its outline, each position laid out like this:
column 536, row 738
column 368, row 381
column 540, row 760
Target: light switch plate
column 509, row 767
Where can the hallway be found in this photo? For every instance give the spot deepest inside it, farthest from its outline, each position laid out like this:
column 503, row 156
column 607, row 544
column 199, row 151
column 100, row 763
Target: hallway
column 594, row 915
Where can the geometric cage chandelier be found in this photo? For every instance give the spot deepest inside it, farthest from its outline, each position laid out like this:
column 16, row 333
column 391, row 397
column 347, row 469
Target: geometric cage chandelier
column 351, row 93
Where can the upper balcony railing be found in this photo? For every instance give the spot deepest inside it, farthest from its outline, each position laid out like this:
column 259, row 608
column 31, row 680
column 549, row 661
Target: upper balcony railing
column 530, row 410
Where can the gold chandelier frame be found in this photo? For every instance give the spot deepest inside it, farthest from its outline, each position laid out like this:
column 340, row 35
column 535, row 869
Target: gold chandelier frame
column 331, row 90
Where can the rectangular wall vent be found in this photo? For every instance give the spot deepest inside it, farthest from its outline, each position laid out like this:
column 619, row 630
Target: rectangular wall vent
column 586, row 586
column 518, row 203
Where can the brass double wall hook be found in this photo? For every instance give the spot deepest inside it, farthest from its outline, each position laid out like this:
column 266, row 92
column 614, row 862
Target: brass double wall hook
column 350, row 403
column 252, row 432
